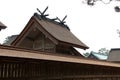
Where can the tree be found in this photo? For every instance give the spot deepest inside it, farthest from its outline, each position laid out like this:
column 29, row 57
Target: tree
column 9, row 39
column 93, row 2
column 103, row 51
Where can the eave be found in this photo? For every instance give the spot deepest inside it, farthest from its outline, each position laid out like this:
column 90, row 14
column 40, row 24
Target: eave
column 10, row 51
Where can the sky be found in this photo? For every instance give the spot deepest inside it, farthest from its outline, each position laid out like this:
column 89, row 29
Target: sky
column 95, row 26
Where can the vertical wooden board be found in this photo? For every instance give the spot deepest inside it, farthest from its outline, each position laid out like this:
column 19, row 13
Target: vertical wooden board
column 6, row 69
column 0, row 69
column 3, row 71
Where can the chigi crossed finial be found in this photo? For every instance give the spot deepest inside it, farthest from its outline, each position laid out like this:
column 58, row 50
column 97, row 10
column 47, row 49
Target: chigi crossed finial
column 42, row 14
column 63, row 20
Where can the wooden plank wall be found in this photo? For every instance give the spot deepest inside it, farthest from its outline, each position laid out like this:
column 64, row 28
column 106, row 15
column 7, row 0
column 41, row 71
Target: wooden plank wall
column 48, row 70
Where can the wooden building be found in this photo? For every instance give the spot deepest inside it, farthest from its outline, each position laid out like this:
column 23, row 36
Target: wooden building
column 44, row 34
column 114, row 55
column 22, row 64
column 44, row 50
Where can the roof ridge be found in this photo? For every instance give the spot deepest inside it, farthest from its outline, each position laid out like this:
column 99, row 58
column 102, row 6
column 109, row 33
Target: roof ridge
column 51, row 20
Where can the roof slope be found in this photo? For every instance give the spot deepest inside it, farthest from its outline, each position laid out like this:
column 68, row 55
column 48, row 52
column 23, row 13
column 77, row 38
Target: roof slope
column 9, row 51
column 2, row 26
column 58, row 32
column 114, row 55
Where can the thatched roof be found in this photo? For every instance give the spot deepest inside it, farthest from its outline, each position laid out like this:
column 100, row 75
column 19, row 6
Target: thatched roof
column 57, row 32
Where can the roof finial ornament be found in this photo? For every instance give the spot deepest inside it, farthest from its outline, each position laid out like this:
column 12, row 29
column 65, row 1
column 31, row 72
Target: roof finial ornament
column 42, row 14
column 63, row 20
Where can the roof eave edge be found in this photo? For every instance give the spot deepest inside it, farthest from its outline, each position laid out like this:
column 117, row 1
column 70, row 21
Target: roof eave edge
column 73, row 45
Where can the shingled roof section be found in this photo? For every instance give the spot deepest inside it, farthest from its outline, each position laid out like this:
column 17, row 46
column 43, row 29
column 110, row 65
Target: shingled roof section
column 2, row 26
column 59, row 32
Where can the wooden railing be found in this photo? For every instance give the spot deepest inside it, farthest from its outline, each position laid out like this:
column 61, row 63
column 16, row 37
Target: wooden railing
column 47, row 70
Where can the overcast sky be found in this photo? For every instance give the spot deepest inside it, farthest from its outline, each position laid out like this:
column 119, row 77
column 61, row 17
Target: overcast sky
column 95, row 26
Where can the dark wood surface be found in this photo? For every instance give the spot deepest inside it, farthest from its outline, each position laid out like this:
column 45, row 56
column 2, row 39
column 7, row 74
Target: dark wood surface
column 22, row 69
